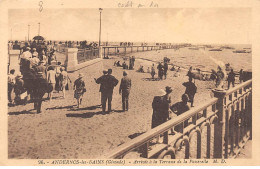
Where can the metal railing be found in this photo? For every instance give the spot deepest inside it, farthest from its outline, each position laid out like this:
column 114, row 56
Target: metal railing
column 123, row 50
column 228, row 115
column 84, row 55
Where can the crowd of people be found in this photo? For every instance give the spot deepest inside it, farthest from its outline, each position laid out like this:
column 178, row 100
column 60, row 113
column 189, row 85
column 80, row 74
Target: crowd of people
column 163, row 109
column 40, row 73
column 56, row 78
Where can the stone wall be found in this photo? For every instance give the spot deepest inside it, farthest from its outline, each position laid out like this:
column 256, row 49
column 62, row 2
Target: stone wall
column 72, row 63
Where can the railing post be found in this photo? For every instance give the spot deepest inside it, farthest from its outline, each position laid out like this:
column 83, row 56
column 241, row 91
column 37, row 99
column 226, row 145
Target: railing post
column 219, row 127
column 104, row 52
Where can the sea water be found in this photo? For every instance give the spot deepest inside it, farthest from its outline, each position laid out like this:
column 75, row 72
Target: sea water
column 202, row 58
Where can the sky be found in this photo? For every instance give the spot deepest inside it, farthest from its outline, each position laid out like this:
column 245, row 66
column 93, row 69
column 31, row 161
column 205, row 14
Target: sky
column 169, row 25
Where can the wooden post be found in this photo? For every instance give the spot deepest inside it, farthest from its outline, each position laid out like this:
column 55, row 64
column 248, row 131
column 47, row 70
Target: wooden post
column 219, row 128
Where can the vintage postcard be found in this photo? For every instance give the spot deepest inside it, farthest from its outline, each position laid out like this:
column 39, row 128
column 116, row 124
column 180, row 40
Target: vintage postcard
column 129, row 83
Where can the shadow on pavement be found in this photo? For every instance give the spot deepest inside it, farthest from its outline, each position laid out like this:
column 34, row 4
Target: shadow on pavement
column 132, row 136
column 86, row 115
column 150, row 79
column 64, row 107
column 22, row 112
column 85, row 108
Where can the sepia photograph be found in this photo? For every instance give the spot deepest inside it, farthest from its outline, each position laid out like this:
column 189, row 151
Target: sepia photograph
column 129, row 83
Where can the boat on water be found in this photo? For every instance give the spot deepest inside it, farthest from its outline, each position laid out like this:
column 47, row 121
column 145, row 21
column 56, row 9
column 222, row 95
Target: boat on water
column 195, row 48
column 208, row 46
column 227, row 47
column 215, row 50
column 241, row 51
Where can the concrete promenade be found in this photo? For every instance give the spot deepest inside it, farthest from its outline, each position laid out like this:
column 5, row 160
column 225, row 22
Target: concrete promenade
column 63, row 131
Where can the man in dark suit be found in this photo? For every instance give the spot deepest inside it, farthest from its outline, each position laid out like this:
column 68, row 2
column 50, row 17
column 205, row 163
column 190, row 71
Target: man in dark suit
column 108, row 82
column 125, row 87
column 101, row 85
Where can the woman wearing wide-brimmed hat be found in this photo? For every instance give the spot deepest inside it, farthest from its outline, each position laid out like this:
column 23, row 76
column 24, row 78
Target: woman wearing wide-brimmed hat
column 79, row 87
column 161, row 104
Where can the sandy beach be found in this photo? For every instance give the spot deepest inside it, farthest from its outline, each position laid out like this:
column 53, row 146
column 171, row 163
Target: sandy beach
column 63, row 131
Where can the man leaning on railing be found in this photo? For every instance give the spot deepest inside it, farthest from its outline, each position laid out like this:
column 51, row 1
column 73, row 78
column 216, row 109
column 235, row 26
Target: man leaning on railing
column 179, row 108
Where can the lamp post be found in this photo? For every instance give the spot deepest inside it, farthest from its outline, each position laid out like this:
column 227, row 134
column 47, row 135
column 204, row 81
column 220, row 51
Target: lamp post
column 100, row 11
column 28, row 33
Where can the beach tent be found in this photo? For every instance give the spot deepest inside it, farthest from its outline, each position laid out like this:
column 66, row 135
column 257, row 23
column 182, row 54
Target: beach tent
column 38, row 38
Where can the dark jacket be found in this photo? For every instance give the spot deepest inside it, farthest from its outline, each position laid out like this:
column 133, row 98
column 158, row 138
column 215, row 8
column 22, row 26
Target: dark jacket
column 191, row 88
column 160, row 107
column 231, row 76
column 125, row 85
column 108, row 82
column 40, row 71
column 165, row 67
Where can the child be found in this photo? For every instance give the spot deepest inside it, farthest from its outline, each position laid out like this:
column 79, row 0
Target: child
column 11, row 83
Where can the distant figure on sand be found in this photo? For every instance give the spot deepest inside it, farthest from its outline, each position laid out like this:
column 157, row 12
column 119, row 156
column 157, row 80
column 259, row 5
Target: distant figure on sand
column 165, row 69
column 153, row 71
column 231, row 78
column 133, row 62
column 118, row 64
column 172, row 68
column 189, row 74
column 124, row 89
column 108, row 82
column 160, row 70
column 191, row 90
column 79, row 87
column 141, row 69
column 124, row 65
column 177, row 73
column 130, row 63
column 179, row 108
